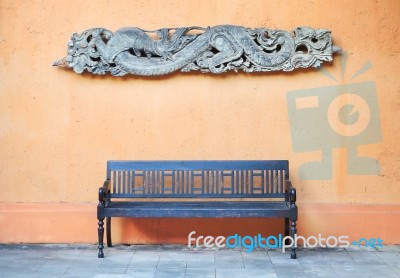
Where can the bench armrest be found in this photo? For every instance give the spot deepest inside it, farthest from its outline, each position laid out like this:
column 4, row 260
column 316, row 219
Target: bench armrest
column 103, row 191
column 290, row 193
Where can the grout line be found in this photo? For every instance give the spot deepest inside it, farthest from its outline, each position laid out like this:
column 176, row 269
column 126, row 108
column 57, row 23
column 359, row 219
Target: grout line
column 64, row 272
column 134, row 252
column 185, row 268
column 241, row 255
column 159, row 258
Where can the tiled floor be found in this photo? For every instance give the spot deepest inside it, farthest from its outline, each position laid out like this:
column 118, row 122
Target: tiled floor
column 177, row 261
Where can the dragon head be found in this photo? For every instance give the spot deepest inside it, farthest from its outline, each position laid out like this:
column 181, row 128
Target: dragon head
column 312, row 46
column 82, row 52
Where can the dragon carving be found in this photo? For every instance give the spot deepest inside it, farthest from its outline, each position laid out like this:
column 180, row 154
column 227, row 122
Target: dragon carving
column 214, row 49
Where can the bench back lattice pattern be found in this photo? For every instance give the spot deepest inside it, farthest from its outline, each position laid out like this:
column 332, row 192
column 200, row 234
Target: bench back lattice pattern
column 208, row 179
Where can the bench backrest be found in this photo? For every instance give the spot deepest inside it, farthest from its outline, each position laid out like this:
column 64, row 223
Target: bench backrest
column 202, row 179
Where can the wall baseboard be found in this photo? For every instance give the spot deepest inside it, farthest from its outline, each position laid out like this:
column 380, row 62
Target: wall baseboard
column 77, row 223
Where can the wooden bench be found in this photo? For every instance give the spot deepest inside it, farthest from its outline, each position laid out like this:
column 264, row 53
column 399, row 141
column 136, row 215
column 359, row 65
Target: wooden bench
column 239, row 189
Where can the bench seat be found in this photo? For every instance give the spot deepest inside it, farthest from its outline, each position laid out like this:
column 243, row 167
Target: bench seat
column 220, row 209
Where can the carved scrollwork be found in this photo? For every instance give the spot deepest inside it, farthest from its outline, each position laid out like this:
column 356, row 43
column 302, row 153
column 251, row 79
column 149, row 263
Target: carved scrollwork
column 215, row 49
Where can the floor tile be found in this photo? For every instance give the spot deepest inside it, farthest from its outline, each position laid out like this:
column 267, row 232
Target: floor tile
column 254, row 273
column 200, row 273
column 141, row 272
column 389, row 257
column 170, row 272
column 322, row 271
column 365, row 258
column 359, row 270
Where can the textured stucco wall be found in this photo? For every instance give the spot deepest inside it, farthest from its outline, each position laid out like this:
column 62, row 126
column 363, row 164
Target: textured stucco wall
column 58, row 129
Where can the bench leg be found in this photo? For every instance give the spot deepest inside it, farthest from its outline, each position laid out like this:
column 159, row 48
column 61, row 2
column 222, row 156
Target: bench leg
column 108, row 231
column 100, row 229
column 293, row 231
column 100, row 217
column 101, row 236
column 293, row 219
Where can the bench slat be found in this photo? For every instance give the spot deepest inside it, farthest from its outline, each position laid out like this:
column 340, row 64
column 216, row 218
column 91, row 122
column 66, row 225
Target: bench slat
column 200, row 178
column 127, row 165
column 210, row 196
column 198, row 209
column 179, row 182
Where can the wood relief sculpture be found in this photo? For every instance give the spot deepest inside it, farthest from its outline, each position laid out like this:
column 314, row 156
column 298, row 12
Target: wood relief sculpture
column 215, row 49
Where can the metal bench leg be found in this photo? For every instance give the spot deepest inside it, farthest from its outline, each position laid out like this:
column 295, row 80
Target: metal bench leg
column 293, row 232
column 100, row 230
column 101, row 235
column 293, row 219
column 108, row 231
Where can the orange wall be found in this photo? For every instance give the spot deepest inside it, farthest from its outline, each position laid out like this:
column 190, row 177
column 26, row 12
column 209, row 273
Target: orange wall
column 58, row 129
